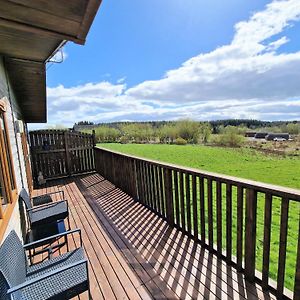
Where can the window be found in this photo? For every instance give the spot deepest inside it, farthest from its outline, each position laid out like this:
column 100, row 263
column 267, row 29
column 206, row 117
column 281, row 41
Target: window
column 3, row 195
column 4, row 134
column 8, row 191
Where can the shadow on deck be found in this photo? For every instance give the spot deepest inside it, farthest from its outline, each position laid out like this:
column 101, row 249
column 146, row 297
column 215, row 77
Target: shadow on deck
column 134, row 254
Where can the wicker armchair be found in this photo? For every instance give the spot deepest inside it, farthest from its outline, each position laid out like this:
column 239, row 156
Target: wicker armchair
column 45, row 213
column 61, row 277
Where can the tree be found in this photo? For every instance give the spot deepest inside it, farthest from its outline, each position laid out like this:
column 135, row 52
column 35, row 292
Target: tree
column 293, row 128
column 168, row 133
column 230, row 137
column 189, row 130
column 206, row 131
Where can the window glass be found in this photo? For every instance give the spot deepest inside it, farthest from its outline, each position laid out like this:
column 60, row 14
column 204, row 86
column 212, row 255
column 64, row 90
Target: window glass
column 3, row 195
column 6, row 149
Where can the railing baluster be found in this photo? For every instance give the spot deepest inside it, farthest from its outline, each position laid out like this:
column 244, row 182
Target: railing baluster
column 182, row 202
column 239, row 235
column 152, row 187
column 282, row 245
column 195, row 210
column 210, row 214
column 250, row 234
column 145, row 183
column 156, row 183
column 202, row 209
column 176, row 200
column 228, row 223
column 162, row 196
column 161, row 186
column 188, row 203
column 169, row 196
column 138, row 181
column 148, row 178
column 219, row 217
column 267, row 239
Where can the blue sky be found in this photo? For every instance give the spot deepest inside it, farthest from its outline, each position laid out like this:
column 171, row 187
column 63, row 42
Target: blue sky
column 172, row 59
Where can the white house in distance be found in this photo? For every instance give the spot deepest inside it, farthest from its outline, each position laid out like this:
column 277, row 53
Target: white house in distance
column 31, row 32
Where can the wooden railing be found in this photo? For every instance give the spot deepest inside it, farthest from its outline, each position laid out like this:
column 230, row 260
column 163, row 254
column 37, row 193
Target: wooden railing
column 244, row 222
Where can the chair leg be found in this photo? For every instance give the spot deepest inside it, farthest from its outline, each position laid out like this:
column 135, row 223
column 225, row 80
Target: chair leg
column 89, row 285
column 90, row 295
column 69, row 223
column 67, row 243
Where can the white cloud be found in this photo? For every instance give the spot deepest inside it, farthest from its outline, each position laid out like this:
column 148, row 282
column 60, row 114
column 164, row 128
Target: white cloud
column 248, row 78
column 245, row 69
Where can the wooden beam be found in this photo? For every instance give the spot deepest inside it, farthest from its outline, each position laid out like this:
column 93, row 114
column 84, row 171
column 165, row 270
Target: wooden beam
column 39, row 31
column 88, row 18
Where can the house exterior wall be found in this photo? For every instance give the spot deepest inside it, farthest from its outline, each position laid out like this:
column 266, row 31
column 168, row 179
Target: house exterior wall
column 12, row 114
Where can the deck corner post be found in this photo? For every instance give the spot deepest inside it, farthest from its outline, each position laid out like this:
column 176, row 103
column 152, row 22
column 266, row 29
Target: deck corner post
column 94, row 137
column 250, row 234
column 169, row 196
column 68, row 157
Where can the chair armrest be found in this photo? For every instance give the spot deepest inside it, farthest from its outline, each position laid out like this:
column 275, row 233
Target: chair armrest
column 30, row 245
column 46, row 275
column 52, row 193
column 36, row 208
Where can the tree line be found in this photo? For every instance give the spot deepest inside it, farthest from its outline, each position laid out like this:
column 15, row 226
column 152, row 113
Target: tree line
column 226, row 132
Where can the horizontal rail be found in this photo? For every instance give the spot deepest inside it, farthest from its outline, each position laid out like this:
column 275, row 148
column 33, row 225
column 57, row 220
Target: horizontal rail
column 232, row 217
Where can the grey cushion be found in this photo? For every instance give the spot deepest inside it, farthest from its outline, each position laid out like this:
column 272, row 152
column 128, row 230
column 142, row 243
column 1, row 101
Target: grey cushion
column 43, row 199
column 50, row 213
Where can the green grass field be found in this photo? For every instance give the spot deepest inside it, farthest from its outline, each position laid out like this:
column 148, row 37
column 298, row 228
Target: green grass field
column 244, row 163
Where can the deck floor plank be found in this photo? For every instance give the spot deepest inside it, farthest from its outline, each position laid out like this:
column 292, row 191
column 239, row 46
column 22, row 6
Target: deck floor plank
column 134, row 254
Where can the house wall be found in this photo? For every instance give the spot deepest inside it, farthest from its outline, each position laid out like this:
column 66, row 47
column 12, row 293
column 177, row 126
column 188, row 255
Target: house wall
column 12, row 114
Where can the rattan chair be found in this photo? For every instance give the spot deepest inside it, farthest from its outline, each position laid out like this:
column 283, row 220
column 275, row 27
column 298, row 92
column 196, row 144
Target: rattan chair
column 61, row 277
column 45, row 213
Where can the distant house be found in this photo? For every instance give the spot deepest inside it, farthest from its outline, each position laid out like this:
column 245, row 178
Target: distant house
column 274, row 136
column 77, row 127
column 250, row 134
column 261, row 135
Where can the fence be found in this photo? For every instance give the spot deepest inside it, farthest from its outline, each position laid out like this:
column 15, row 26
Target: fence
column 244, row 222
column 58, row 153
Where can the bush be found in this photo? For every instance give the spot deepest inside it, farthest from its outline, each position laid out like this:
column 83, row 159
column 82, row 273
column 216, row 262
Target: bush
column 230, row 137
column 105, row 134
column 180, row 141
column 189, row 130
column 124, row 139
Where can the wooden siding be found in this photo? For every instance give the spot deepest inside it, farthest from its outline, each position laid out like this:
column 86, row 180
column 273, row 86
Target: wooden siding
column 7, row 93
column 134, row 254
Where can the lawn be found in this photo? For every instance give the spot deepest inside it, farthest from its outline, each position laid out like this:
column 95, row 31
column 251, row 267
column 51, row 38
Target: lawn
column 244, row 163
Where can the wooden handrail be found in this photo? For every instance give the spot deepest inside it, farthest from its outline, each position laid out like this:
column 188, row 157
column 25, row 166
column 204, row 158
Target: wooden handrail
column 209, row 206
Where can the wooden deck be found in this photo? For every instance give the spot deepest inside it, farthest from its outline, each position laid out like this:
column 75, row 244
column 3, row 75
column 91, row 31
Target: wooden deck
column 134, row 254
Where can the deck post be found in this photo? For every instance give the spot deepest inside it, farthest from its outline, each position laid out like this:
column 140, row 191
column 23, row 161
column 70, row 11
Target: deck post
column 68, row 157
column 169, row 196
